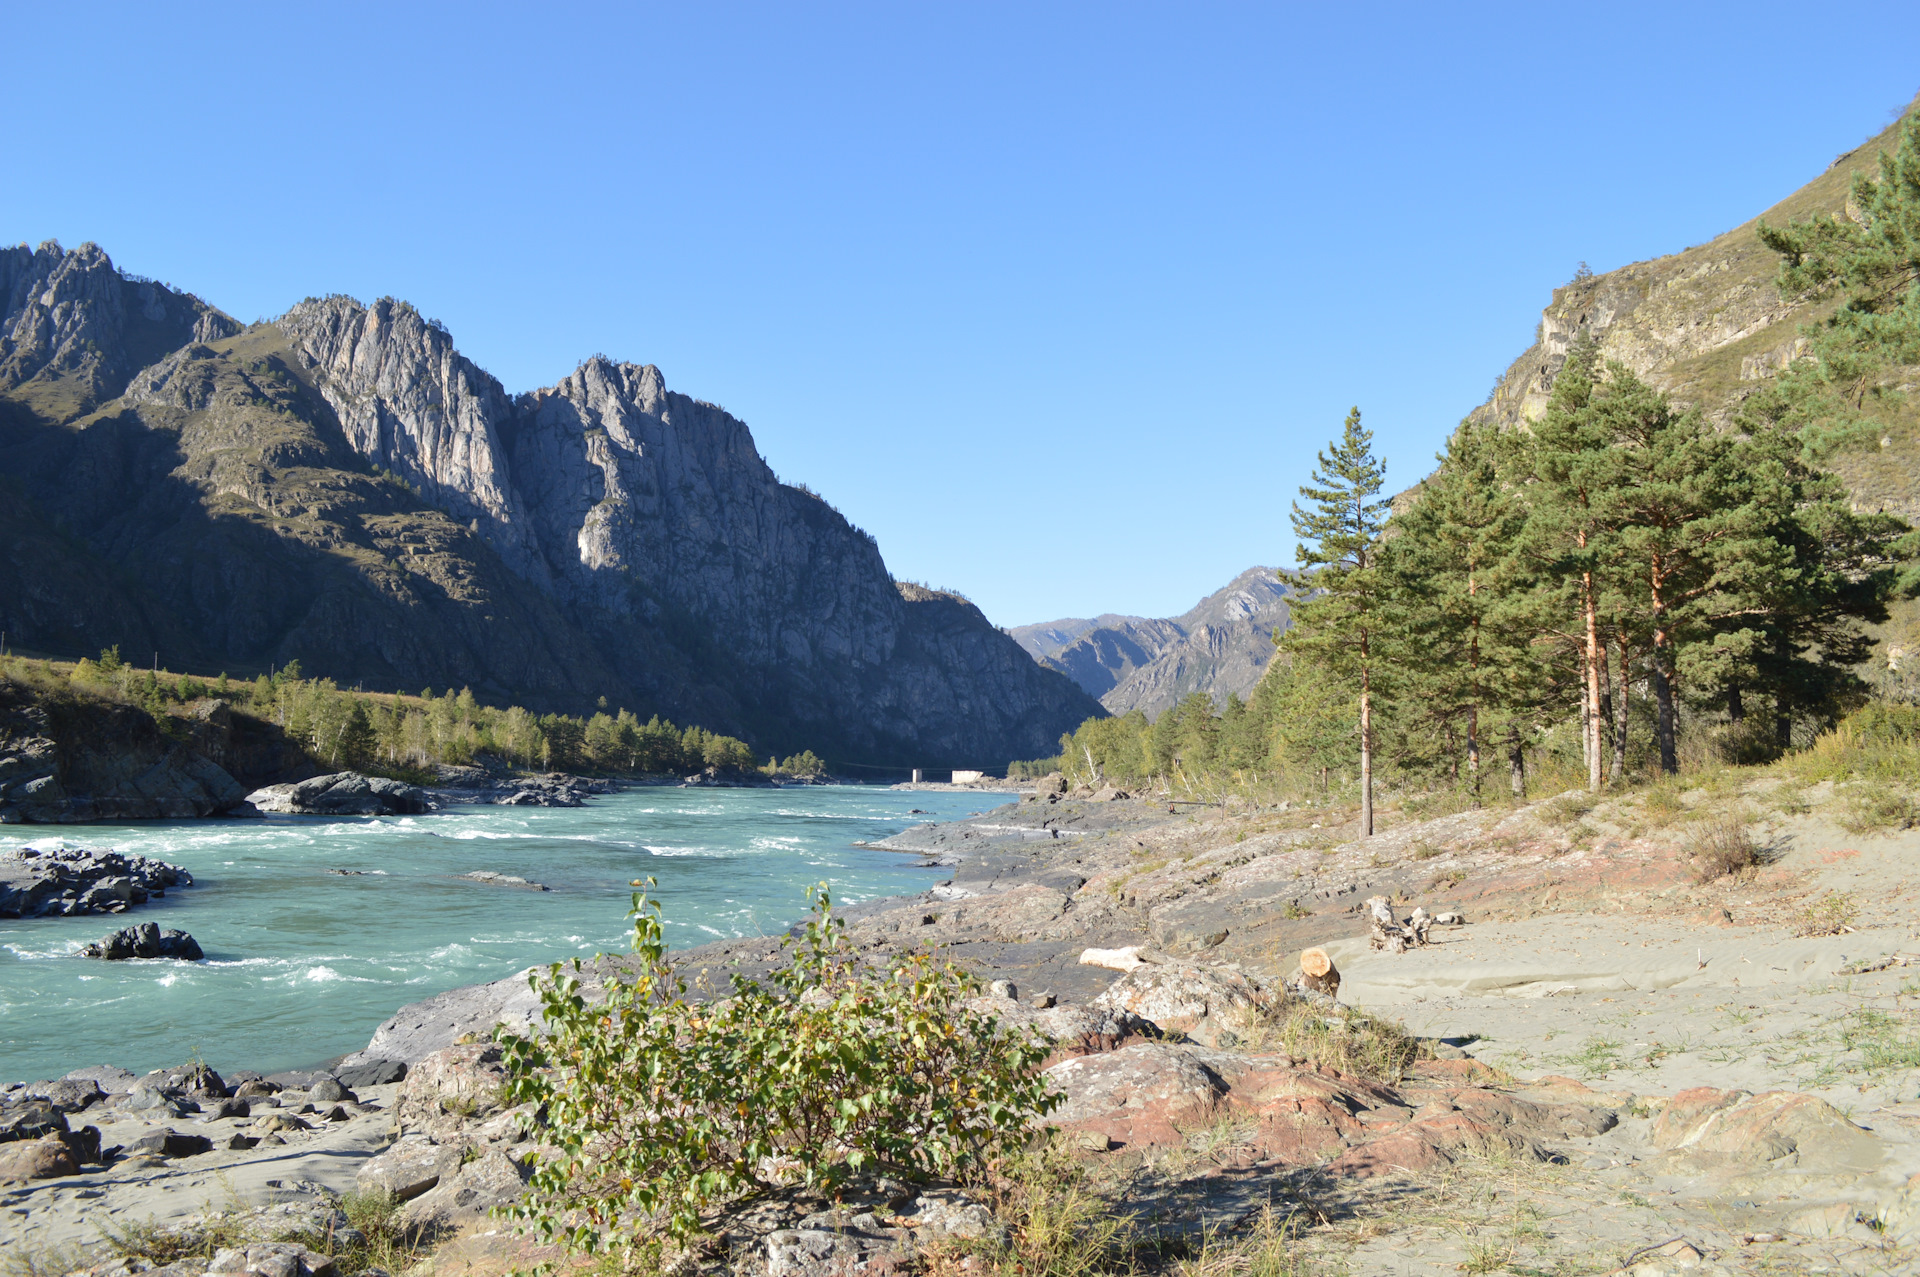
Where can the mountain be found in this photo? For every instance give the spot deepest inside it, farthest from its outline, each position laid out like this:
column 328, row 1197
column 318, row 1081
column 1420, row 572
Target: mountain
column 341, row 486
column 1221, row 645
column 1708, row 326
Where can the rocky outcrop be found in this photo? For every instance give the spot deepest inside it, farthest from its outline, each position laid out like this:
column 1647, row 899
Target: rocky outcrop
column 1219, row 646
column 66, row 882
column 145, row 940
column 345, row 489
column 66, row 761
column 342, row 794
column 637, row 506
column 71, row 319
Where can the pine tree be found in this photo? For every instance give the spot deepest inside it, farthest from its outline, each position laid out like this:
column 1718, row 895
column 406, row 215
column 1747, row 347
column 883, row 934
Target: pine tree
column 1568, row 533
column 1340, row 624
column 1448, row 571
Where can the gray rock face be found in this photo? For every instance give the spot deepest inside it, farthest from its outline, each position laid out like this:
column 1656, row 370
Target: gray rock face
column 1225, row 645
column 638, row 506
column 343, row 487
column 73, row 315
column 343, row 794
column 66, row 882
column 106, row 762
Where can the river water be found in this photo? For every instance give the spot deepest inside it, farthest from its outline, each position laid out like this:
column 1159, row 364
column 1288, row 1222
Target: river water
column 303, row 963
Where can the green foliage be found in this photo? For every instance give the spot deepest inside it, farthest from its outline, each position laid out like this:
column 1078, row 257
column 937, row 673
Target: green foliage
column 805, row 765
column 660, row 1109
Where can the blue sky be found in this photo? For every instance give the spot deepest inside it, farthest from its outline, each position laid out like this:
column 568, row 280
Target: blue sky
column 1057, row 300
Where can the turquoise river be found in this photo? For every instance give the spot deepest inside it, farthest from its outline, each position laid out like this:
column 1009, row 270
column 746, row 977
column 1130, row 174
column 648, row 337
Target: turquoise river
column 302, row 963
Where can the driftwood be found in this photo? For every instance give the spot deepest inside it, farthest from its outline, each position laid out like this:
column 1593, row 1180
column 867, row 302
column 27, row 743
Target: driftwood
column 1387, row 933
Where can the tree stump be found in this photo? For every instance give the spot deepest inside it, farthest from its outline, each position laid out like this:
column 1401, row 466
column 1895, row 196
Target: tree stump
column 1318, row 973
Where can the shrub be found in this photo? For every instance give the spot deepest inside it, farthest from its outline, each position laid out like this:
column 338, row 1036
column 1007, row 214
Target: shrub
column 1871, row 807
column 1831, row 915
column 1722, row 846
column 659, row 1109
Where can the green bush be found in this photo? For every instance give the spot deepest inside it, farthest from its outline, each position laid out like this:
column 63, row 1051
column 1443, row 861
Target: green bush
column 660, row 1109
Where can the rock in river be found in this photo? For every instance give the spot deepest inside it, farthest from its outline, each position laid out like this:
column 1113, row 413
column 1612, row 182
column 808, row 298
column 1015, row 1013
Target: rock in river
column 145, row 940
column 76, row 881
column 343, row 794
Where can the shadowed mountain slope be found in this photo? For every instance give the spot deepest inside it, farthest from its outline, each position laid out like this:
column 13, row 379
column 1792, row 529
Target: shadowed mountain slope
column 344, row 488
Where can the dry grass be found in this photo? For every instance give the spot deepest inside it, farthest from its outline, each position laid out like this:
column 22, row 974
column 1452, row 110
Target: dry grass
column 1831, row 915
column 1342, row 1038
column 1871, row 808
column 1720, row 847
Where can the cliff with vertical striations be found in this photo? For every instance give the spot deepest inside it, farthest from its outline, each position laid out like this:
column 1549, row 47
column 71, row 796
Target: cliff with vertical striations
column 343, row 487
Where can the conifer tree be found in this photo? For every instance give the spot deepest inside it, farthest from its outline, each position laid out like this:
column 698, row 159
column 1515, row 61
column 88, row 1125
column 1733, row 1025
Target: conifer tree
column 1340, row 624
column 1568, row 533
column 1447, row 568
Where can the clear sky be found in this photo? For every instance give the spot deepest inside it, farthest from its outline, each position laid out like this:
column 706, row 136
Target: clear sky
column 1057, row 300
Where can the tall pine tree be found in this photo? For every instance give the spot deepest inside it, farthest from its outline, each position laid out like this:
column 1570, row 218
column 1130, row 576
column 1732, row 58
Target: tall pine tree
column 1340, row 624
column 1447, row 568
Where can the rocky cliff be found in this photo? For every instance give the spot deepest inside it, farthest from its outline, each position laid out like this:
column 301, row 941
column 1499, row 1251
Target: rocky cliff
column 1219, row 646
column 1708, row 326
column 344, row 488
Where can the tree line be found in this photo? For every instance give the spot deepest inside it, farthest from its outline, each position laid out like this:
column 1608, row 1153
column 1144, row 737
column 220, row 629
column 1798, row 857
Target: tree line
column 1600, row 572
column 406, row 735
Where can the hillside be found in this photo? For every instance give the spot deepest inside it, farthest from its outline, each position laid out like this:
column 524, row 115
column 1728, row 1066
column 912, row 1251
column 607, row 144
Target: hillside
column 342, row 487
column 1220, row 645
column 1708, row 326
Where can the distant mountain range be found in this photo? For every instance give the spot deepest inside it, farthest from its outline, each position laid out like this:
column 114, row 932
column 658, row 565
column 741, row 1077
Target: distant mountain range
column 342, row 487
column 1221, row 645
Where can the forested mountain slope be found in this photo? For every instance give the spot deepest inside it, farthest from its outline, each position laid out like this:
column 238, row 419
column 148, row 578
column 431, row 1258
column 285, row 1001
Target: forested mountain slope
column 342, row 487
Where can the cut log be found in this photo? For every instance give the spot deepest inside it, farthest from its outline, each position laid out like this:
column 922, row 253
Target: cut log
column 1318, row 974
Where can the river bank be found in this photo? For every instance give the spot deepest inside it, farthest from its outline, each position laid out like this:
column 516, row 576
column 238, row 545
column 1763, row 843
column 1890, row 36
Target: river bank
column 1746, row 1080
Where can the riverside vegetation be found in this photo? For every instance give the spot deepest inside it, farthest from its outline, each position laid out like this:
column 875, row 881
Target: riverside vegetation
column 397, row 735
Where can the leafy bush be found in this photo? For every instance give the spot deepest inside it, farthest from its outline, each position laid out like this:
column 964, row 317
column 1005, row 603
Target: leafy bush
column 660, row 1109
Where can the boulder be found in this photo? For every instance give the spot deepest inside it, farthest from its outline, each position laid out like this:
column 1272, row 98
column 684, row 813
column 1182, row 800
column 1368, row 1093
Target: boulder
column 410, row 1166
column 343, row 794
column 328, row 1090
column 1138, row 1096
column 145, row 940
column 372, row 1073
column 68, row 1095
column 108, row 1077
column 30, row 1121
column 1705, row 1127
column 45, row 1158
column 1181, row 997
column 491, row 1180
column 168, row 1142
column 271, row 1259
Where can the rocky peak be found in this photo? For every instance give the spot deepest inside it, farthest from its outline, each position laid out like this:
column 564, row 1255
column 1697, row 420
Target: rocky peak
column 412, row 404
column 72, row 318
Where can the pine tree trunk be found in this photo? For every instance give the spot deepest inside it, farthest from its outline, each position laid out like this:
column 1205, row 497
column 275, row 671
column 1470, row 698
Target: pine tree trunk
column 1663, row 677
column 1473, row 753
column 1619, row 765
column 1366, row 751
column 1606, row 705
column 1516, row 761
column 1593, row 682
